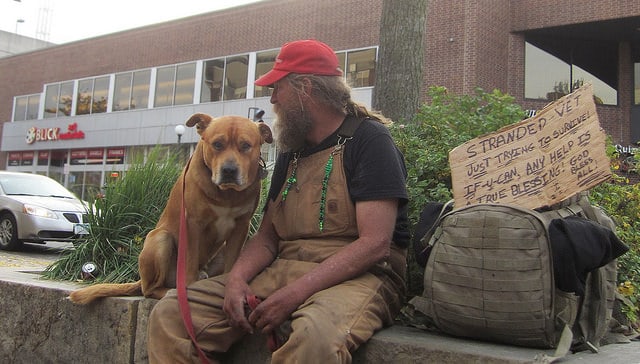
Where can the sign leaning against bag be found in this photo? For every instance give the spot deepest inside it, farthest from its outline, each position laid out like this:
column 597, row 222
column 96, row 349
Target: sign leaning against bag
column 536, row 162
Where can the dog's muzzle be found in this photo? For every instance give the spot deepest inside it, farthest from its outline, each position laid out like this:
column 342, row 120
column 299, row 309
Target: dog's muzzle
column 229, row 173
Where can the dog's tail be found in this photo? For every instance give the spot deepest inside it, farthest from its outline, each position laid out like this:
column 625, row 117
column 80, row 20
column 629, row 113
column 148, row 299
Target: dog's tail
column 89, row 294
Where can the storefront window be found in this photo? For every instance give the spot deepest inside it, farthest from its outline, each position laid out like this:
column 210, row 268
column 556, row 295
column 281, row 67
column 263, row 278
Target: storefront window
column 636, row 83
column 83, row 105
column 58, row 99
column 164, row 86
column 361, row 68
column 235, row 86
column 131, row 90
column 561, row 68
column 213, row 75
column 342, row 60
column 92, row 95
column 264, row 63
column 32, row 107
column 175, row 85
column 58, row 158
column 20, row 108
column 185, row 84
column 26, row 107
column 27, row 159
column 122, row 92
column 224, row 79
column 115, row 156
column 100, row 95
column 140, row 89
column 43, row 157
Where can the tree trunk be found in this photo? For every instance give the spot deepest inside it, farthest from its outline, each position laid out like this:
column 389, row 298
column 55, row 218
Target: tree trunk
column 399, row 75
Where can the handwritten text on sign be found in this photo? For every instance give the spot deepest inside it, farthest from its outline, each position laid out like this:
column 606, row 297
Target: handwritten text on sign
column 537, row 162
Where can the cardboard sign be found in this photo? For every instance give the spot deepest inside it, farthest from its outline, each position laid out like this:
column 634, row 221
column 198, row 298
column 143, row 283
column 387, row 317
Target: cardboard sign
column 536, row 162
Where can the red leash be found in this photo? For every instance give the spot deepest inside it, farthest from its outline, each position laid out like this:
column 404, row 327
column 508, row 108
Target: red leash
column 181, row 276
column 273, row 341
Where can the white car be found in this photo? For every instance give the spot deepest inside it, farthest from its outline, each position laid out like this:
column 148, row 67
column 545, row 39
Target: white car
column 37, row 209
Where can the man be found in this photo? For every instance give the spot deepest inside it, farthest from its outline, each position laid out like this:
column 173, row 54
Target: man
column 330, row 253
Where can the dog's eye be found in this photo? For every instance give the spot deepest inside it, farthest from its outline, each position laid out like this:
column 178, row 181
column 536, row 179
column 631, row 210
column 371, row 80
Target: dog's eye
column 218, row 146
column 244, row 146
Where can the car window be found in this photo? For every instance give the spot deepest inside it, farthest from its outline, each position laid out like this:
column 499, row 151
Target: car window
column 32, row 185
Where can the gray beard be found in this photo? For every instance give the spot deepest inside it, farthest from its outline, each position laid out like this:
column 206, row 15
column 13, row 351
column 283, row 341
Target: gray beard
column 291, row 128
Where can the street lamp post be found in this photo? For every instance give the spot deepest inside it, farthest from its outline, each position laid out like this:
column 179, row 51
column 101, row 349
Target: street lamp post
column 18, row 22
column 179, row 129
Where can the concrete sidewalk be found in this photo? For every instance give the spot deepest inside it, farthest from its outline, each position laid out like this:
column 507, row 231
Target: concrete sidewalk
column 40, row 325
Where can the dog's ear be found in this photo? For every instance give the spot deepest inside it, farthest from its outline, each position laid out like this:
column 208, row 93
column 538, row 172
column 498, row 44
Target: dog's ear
column 201, row 121
column 265, row 133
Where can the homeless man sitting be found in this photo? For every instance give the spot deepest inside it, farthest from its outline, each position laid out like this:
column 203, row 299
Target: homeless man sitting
column 330, row 254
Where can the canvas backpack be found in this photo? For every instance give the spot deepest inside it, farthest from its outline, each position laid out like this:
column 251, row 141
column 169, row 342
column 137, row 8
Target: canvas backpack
column 489, row 276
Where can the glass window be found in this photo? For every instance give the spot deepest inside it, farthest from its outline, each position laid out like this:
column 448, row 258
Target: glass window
column 32, row 107
column 92, row 95
column 135, row 154
column 43, row 157
column 561, row 68
column 51, row 100
column 264, row 63
column 83, row 105
column 361, row 68
column 342, row 60
column 636, row 83
column 185, row 84
column 58, row 98
column 122, row 92
column 140, row 90
column 224, row 79
column 58, row 158
column 165, row 78
column 235, row 86
column 213, row 75
column 65, row 99
column 131, row 90
column 175, row 85
column 100, row 95
column 20, row 109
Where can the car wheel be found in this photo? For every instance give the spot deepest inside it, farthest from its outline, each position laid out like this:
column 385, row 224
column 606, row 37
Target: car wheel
column 8, row 232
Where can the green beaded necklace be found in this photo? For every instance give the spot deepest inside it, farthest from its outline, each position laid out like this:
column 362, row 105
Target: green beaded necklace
column 325, row 180
column 292, row 179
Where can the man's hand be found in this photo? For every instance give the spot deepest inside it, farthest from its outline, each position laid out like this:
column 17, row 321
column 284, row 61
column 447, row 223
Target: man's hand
column 235, row 295
column 274, row 310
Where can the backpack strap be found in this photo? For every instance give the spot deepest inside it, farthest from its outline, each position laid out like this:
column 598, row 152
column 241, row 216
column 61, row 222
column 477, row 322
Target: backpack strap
column 564, row 345
column 426, row 242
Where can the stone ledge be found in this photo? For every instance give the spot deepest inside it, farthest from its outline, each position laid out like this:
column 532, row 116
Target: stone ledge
column 40, row 325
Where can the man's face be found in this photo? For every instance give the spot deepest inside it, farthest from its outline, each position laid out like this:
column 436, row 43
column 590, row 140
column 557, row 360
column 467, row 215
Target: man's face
column 292, row 123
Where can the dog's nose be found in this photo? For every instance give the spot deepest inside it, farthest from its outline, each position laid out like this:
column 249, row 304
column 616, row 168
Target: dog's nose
column 229, row 172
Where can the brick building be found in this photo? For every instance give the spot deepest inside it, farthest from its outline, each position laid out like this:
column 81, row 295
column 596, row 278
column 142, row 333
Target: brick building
column 79, row 111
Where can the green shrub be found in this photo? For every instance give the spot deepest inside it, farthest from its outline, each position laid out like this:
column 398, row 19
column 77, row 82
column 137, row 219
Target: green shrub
column 448, row 121
column 621, row 200
column 121, row 219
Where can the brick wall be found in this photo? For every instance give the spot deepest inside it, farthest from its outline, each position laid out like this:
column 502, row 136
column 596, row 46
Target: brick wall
column 264, row 25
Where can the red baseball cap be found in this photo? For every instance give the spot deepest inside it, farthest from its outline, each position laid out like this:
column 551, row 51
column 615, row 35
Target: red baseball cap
column 305, row 57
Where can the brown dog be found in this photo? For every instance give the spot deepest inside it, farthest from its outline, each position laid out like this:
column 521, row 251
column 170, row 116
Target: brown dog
column 222, row 191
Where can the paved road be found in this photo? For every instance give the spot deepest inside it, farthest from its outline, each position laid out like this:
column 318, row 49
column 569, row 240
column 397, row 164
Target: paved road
column 33, row 255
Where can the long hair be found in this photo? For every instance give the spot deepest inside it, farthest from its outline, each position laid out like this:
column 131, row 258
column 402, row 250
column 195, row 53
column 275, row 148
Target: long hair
column 334, row 92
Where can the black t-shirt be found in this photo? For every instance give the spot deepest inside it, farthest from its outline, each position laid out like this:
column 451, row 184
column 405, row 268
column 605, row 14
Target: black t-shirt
column 374, row 169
